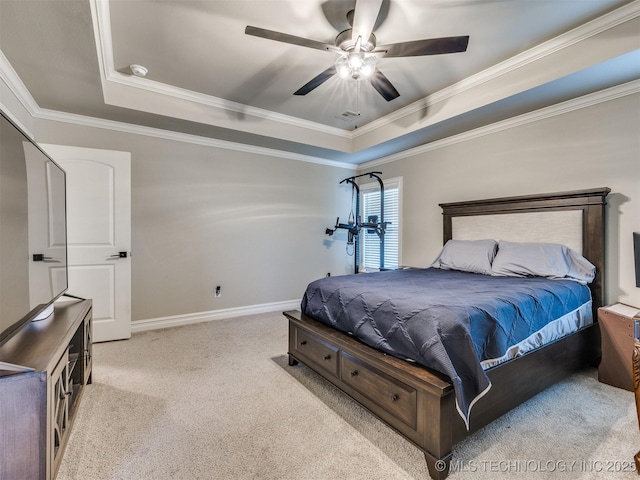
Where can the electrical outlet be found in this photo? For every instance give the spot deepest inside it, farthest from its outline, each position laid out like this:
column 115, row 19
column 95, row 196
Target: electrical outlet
column 218, row 291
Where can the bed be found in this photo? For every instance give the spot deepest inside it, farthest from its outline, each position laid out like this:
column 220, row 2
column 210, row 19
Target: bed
column 424, row 404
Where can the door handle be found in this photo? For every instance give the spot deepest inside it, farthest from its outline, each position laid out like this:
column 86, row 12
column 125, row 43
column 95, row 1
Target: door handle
column 118, row 255
column 39, row 257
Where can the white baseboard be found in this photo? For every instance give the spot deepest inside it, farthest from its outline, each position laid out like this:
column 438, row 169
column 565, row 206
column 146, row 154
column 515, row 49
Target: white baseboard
column 199, row 317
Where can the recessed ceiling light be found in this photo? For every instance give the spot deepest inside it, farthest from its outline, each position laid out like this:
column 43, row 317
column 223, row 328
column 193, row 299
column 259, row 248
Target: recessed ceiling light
column 138, row 70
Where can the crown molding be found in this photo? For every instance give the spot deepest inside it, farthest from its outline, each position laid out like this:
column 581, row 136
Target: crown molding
column 101, row 17
column 104, row 44
column 589, row 100
column 17, row 87
column 578, row 34
column 14, row 83
column 7, row 111
column 102, row 37
column 219, row 103
column 93, row 122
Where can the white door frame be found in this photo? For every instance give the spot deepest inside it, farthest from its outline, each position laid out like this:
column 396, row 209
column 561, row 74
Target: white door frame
column 99, row 180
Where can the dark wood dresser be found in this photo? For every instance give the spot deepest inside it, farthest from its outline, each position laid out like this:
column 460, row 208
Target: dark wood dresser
column 37, row 408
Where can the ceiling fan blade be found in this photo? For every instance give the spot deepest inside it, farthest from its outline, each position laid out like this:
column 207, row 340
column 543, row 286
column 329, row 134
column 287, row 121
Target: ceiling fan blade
column 291, row 39
column 364, row 18
column 431, row 46
column 383, row 86
column 316, row 81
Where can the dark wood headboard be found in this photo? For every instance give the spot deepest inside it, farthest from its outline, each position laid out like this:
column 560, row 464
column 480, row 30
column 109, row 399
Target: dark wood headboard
column 591, row 202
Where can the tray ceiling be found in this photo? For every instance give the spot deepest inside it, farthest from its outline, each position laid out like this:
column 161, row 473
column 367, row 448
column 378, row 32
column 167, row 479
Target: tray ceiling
column 207, row 78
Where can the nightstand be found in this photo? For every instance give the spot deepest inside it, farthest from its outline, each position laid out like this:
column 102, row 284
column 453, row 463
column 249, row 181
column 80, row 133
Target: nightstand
column 616, row 328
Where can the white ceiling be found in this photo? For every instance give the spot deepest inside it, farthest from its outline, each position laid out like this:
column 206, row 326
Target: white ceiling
column 207, row 78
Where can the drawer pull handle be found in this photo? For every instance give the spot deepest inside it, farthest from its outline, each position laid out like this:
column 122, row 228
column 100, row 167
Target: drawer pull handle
column 303, row 342
column 353, row 373
column 393, row 397
column 327, row 357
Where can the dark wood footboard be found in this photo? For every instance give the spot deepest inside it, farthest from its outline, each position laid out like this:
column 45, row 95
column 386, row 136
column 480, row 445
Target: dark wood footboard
column 419, row 403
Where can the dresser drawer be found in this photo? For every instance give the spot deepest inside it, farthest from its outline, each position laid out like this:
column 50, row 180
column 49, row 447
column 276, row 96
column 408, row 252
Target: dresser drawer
column 316, row 350
column 393, row 396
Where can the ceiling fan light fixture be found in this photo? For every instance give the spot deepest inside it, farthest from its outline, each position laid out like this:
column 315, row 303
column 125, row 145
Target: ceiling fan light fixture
column 355, row 65
column 343, row 68
column 368, row 66
column 356, row 60
column 356, row 47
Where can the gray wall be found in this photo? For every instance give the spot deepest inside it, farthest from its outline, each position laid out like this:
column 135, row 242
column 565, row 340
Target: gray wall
column 254, row 224
column 204, row 216
column 596, row 146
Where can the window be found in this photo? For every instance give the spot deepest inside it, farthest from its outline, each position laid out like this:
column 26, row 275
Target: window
column 370, row 241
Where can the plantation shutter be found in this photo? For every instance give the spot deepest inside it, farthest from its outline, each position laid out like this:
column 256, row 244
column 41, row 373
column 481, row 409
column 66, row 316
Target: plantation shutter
column 371, row 241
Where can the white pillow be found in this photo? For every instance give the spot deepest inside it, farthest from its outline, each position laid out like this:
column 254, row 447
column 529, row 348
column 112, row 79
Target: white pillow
column 550, row 260
column 467, row 256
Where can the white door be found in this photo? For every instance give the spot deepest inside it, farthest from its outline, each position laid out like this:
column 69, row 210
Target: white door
column 99, row 234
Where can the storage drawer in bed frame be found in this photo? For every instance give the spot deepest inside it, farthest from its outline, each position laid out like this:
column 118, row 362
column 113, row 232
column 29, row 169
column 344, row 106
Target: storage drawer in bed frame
column 312, row 348
column 392, row 396
column 407, row 397
column 419, row 403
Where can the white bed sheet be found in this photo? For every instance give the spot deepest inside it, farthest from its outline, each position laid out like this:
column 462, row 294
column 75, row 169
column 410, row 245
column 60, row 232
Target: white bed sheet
column 569, row 323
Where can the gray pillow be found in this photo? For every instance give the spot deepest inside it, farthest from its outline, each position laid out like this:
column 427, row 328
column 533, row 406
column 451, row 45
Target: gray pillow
column 550, row 260
column 467, row 256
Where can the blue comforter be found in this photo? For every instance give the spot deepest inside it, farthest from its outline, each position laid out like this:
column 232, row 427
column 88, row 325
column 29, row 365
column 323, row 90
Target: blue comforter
column 446, row 320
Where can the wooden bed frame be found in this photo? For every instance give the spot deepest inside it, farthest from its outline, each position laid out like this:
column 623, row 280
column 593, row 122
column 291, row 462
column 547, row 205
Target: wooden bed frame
column 419, row 403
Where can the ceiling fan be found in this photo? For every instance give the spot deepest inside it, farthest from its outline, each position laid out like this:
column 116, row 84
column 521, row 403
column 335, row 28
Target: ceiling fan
column 358, row 49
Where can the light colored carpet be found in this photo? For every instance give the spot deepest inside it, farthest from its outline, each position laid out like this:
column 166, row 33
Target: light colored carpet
column 218, row 401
